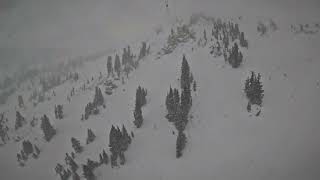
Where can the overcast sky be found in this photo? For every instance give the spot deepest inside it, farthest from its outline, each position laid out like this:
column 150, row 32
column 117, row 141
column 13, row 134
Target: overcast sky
column 46, row 29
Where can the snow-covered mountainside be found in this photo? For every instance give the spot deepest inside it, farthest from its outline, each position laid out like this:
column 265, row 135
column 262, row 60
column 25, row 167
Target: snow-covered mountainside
column 278, row 140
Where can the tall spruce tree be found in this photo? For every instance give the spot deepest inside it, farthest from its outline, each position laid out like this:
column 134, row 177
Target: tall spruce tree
column 185, row 73
column 109, row 66
column 47, row 128
column 76, row 145
column 19, row 120
column 117, row 65
column 180, row 144
column 91, row 136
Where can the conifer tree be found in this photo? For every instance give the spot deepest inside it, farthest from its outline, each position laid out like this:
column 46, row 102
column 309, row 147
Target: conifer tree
column 194, row 86
column 185, row 73
column 20, row 101
column 138, row 117
column 37, row 150
column 143, row 50
column 91, row 136
column 117, row 65
column 105, row 158
column 180, row 144
column 76, row 145
column 109, row 66
column 253, row 89
column 19, row 120
column 47, row 128
column 87, row 172
column 27, row 147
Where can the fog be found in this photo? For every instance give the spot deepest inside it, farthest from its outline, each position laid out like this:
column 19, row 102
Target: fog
column 42, row 30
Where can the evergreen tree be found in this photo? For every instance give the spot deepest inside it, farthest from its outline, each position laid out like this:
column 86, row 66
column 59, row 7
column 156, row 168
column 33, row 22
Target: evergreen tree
column 109, row 66
column 185, row 74
column 194, row 86
column 143, row 50
column 47, row 128
column 105, row 158
column 58, row 110
column 117, row 65
column 235, row 58
column 76, row 145
column 98, row 97
column 122, row 158
column 19, row 120
column 20, row 101
column 243, row 41
column 91, row 136
column 37, row 150
column 59, row 169
column 180, row 144
column 253, row 89
column 27, row 147
column 87, row 173
column 138, row 117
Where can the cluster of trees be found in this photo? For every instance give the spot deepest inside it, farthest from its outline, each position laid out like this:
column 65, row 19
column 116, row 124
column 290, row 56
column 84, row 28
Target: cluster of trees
column 58, row 111
column 141, row 100
column 119, row 141
column 178, row 106
column 181, row 35
column 20, row 120
column 235, row 56
column 47, row 128
column 253, row 90
column 27, row 149
column 66, row 173
column 92, row 107
column 144, row 50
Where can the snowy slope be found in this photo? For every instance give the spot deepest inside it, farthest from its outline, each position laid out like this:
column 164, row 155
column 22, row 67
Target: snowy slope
column 224, row 141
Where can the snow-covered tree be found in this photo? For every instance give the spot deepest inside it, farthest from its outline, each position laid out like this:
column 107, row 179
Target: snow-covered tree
column 76, row 145
column 19, row 120
column 91, row 136
column 47, row 128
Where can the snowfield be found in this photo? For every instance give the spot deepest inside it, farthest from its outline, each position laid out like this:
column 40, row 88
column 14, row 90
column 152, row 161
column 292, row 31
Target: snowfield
column 224, row 141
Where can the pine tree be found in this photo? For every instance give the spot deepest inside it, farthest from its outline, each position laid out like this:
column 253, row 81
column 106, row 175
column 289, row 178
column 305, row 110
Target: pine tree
column 20, row 101
column 37, row 150
column 194, row 86
column 180, row 144
column 143, row 50
column 117, row 65
column 185, row 73
column 109, row 66
column 105, row 158
column 243, row 41
column 19, row 120
column 122, row 158
column 98, row 97
column 253, row 89
column 87, row 172
column 76, row 145
column 47, row 128
column 138, row 117
column 58, row 110
column 27, row 147
column 90, row 137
